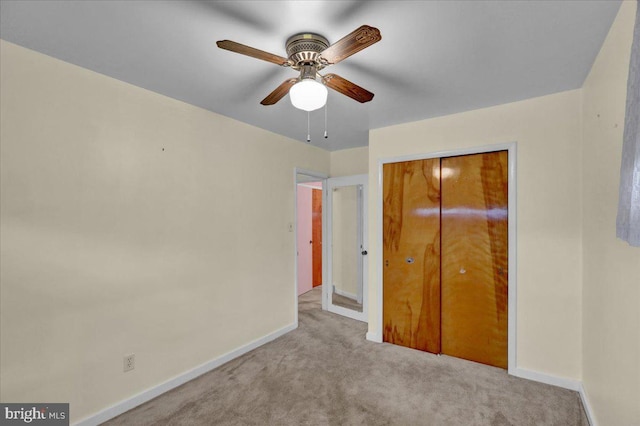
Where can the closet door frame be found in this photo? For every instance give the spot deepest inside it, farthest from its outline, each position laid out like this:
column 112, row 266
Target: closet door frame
column 511, row 148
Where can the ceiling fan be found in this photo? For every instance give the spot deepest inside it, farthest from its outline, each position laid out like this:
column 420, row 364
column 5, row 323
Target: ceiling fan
column 309, row 53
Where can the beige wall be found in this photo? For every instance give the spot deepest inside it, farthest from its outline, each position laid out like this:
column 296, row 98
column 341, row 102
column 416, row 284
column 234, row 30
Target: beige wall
column 132, row 223
column 549, row 270
column 347, row 162
column 611, row 268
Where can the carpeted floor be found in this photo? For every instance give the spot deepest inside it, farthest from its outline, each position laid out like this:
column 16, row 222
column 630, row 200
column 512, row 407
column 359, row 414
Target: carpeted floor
column 346, row 302
column 326, row 373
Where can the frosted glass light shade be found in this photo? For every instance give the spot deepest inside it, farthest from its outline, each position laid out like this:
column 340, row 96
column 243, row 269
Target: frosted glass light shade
column 308, row 95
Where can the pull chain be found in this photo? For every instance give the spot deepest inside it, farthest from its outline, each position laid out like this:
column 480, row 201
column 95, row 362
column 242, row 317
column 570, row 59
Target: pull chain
column 308, row 128
column 326, row 135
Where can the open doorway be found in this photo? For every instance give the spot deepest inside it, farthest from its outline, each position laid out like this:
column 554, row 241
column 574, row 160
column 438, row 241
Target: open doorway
column 309, row 235
column 309, row 232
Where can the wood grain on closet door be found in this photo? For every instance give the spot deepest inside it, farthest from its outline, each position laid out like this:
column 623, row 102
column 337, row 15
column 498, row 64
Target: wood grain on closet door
column 474, row 257
column 316, row 236
column 411, row 254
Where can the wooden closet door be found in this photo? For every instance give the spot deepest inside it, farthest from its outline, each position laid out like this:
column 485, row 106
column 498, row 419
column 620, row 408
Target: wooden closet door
column 411, row 254
column 316, row 236
column 474, row 257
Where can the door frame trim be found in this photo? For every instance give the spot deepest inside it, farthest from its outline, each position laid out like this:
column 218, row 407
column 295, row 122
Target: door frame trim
column 511, row 148
column 322, row 177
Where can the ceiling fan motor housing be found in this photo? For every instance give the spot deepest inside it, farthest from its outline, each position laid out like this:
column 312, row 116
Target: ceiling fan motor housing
column 305, row 48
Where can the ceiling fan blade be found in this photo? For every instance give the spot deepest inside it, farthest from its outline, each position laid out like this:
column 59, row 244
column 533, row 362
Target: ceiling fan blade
column 352, row 43
column 347, row 88
column 253, row 52
column 280, row 92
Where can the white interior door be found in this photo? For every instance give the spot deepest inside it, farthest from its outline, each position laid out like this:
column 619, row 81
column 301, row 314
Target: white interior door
column 345, row 288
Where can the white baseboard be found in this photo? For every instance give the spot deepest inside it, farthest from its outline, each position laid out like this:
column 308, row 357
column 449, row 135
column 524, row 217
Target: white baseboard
column 536, row 376
column 571, row 384
column 587, row 406
column 149, row 394
column 374, row 337
column 345, row 293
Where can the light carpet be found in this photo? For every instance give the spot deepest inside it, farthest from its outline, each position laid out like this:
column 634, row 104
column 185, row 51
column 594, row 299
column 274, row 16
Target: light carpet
column 326, row 373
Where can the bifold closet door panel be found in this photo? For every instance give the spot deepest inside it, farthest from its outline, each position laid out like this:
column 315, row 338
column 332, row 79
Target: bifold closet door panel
column 474, row 257
column 411, row 254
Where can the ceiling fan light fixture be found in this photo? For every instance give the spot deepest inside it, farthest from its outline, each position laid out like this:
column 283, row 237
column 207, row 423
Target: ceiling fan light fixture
column 310, row 53
column 308, row 95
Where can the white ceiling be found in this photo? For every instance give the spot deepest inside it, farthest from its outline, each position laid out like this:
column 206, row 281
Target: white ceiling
column 435, row 57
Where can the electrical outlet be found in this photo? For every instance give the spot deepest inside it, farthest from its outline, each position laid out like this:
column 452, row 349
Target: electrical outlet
column 129, row 362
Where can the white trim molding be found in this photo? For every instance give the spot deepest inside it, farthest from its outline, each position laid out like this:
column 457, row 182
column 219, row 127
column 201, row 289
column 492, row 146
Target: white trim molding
column 344, row 293
column 374, row 337
column 562, row 382
column 149, row 394
column 548, row 379
column 587, row 405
